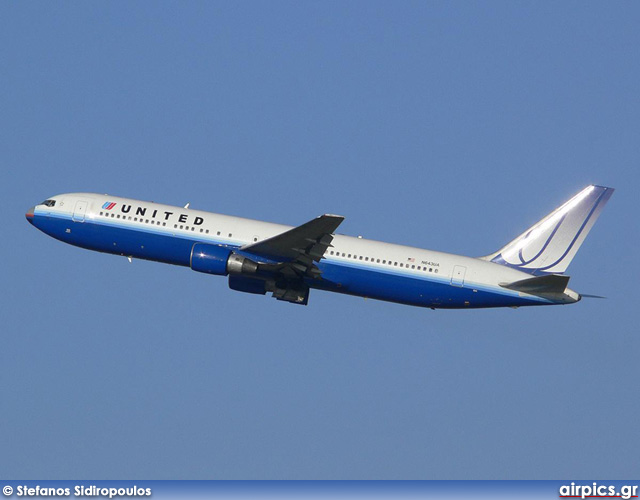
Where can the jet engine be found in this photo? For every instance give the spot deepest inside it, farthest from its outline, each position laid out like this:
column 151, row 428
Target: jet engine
column 220, row 260
column 245, row 275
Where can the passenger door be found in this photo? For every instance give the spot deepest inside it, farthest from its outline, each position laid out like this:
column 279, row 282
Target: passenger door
column 79, row 211
column 457, row 277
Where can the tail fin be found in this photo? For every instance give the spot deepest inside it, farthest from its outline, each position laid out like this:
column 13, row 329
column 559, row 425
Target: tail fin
column 549, row 246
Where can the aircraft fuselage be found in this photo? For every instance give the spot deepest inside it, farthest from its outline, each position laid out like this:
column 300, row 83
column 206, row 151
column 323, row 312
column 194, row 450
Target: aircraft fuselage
column 351, row 265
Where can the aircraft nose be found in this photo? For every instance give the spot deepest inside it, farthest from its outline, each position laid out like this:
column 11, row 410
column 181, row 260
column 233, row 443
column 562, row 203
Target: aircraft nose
column 29, row 214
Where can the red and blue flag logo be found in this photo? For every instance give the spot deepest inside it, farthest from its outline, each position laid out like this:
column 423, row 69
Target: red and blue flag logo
column 108, row 205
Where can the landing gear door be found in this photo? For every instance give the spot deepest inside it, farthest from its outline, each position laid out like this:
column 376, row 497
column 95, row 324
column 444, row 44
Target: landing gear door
column 457, row 277
column 79, row 211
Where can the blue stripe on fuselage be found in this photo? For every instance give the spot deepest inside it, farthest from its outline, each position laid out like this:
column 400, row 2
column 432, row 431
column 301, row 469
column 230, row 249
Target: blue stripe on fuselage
column 163, row 245
column 405, row 288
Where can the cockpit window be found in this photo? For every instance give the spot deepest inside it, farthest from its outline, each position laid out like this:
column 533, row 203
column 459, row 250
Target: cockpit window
column 49, row 203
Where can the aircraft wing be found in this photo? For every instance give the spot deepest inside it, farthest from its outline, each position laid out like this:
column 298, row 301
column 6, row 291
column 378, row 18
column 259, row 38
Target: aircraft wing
column 297, row 249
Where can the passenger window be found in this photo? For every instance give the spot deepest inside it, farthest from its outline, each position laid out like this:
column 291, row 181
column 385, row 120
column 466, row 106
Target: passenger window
column 218, row 233
column 207, row 231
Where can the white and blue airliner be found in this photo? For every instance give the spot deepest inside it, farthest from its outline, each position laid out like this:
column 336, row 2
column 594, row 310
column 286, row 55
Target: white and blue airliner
column 260, row 257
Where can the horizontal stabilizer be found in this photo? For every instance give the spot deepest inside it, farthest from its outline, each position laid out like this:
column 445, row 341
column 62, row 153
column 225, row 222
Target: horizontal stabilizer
column 552, row 283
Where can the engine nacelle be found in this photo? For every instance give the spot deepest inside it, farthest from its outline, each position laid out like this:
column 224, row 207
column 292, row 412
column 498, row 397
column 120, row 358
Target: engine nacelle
column 210, row 259
column 244, row 275
column 247, row 285
column 220, row 260
column 237, row 264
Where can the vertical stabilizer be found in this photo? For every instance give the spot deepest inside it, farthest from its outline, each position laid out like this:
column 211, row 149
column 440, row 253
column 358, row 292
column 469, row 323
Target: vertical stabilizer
column 549, row 246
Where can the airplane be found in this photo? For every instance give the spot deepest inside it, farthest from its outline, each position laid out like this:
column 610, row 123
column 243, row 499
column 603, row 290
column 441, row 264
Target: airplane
column 260, row 257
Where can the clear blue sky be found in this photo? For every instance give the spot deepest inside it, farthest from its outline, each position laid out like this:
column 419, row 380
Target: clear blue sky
column 451, row 126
